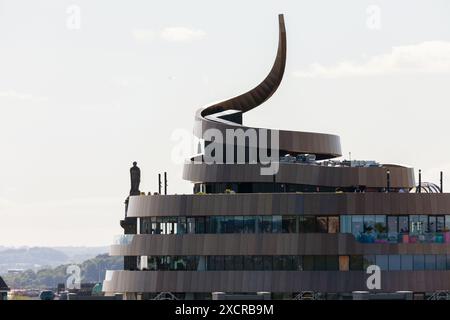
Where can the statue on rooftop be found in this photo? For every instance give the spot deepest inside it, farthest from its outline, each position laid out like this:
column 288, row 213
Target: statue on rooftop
column 135, row 175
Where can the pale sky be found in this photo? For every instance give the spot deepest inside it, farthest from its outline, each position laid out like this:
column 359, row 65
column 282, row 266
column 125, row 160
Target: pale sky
column 83, row 96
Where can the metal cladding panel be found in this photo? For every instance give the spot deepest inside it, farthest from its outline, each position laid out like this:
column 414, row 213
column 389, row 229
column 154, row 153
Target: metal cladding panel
column 274, row 281
column 266, row 244
column 296, row 173
column 290, row 204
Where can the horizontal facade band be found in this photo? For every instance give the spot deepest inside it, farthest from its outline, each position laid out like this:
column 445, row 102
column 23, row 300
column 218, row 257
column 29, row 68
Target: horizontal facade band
column 324, row 146
column 315, row 175
column 290, row 204
column 266, row 244
column 272, row 281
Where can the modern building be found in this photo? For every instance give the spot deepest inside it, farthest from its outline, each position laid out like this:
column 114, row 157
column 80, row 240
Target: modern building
column 309, row 229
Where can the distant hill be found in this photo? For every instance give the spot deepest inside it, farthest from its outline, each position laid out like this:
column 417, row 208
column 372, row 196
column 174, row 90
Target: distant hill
column 36, row 258
column 92, row 270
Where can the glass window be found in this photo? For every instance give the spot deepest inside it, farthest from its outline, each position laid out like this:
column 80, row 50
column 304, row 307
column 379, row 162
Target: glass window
column 258, row 224
column 239, row 262
column 299, row 263
column 152, row 264
column 210, row 263
column 238, row 224
column 146, row 226
column 190, row 225
column 181, row 225
column 201, row 263
column 392, row 224
column 266, row 224
column 403, row 224
column 249, row 224
column 278, row 263
column 448, row 262
column 430, row 262
column 440, row 223
column 320, row 263
column 248, row 263
column 414, row 224
column 163, row 263
column 267, row 263
column 394, row 262
column 165, row 225
column 220, row 263
column 156, row 225
column 382, row 262
column 258, row 263
column 369, row 223
column 356, row 262
column 289, row 224
column 179, row 263
column 229, row 224
column 333, row 224
column 423, row 224
column 332, row 263
column 346, row 224
column 172, row 225
column 284, row 263
column 432, row 223
column 307, row 224
column 380, row 226
column 322, row 224
column 276, row 224
column 209, row 225
column 200, row 225
column 407, row 262
column 357, row 226
column 419, row 262
column 229, row 263
column 344, row 263
column 192, row 262
column 441, row 262
column 220, row 224
column 308, row 263
column 369, row 260
column 290, row 263
column 447, row 223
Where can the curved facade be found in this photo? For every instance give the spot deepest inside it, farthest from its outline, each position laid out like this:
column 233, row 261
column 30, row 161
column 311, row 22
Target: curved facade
column 316, row 224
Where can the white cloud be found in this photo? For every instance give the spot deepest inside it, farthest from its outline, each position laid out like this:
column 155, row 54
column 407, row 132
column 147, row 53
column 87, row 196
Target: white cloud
column 143, row 35
column 181, row 34
column 170, row 34
column 425, row 57
column 11, row 94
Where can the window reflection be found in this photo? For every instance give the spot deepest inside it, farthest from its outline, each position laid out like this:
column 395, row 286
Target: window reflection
column 333, row 224
column 276, row 224
column 295, row 263
column 307, row 224
column 322, row 224
column 365, row 228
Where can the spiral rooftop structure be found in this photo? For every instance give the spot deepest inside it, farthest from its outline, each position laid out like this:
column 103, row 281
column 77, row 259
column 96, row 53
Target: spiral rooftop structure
column 315, row 224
